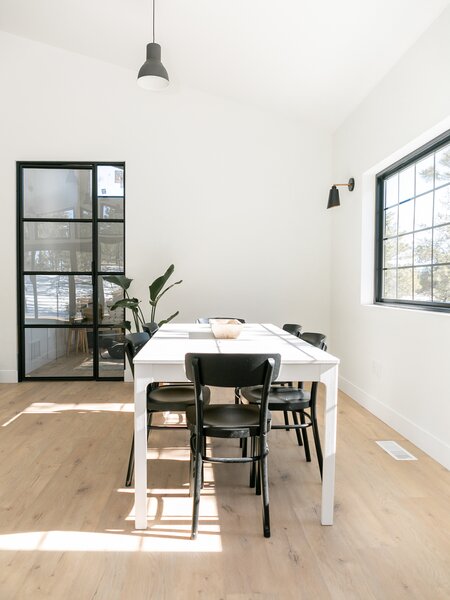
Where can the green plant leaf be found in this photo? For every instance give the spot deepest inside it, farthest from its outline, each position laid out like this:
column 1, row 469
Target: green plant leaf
column 156, row 287
column 120, row 280
column 131, row 303
column 167, row 289
column 169, row 319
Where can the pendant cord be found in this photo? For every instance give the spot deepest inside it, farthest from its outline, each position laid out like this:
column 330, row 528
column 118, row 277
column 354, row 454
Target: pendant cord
column 153, row 21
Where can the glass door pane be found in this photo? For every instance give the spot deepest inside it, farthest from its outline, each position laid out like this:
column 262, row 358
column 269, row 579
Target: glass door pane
column 57, row 193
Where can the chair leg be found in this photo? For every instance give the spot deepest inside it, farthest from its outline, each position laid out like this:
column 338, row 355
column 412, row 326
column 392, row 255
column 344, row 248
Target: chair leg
column 298, row 433
column 198, row 467
column 204, row 454
column 258, row 468
column 191, row 465
column 253, row 464
column 286, row 419
column 265, row 491
column 237, row 395
column 149, row 424
column 315, row 428
column 305, row 437
column 130, row 469
column 243, row 444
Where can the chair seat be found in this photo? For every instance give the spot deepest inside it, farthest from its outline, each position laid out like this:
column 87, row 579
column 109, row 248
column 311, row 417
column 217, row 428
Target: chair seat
column 280, row 397
column 227, row 420
column 173, row 397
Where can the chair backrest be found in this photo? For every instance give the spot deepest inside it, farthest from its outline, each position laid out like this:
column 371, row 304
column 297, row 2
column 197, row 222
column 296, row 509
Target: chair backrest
column 205, row 320
column 150, row 328
column 133, row 343
column 315, row 339
column 293, row 328
column 232, row 370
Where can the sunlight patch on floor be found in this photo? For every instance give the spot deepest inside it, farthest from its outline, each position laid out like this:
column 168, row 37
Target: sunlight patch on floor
column 169, row 512
column 48, row 408
column 82, row 541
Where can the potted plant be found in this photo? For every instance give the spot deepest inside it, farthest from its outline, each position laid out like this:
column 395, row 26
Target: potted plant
column 156, row 289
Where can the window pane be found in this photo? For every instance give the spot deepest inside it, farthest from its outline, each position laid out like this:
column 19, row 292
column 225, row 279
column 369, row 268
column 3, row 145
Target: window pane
column 110, row 247
column 390, row 284
column 110, row 208
column 441, row 284
column 110, row 181
column 57, row 298
column 415, row 241
column 111, row 353
column 108, row 294
column 424, row 211
column 442, row 205
column 406, row 217
column 422, row 247
column 391, row 191
column 405, row 250
column 57, row 193
column 390, row 221
column 390, row 253
column 62, row 352
column 406, row 184
column 404, row 290
column 422, row 284
column 441, row 244
column 443, row 165
column 425, row 175
column 57, row 246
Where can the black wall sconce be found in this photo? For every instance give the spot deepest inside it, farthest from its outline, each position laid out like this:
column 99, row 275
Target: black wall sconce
column 333, row 197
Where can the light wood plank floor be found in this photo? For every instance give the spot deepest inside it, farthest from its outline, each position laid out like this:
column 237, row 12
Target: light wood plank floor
column 67, row 529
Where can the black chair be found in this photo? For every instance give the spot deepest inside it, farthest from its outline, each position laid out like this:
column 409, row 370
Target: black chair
column 293, row 328
column 297, row 401
column 230, row 420
column 150, row 328
column 205, row 320
column 171, row 397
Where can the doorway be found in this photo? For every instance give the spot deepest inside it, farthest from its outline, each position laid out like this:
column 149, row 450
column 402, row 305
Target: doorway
column 71, row 234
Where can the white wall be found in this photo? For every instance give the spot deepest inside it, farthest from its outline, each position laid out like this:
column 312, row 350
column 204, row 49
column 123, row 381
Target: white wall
column 233, row 196
column 396, row 362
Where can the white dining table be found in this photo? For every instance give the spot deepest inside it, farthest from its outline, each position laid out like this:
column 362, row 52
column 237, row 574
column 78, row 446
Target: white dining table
column 162, row 359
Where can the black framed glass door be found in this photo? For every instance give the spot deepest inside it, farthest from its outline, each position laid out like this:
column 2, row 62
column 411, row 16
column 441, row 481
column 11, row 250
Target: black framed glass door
column 71, row 233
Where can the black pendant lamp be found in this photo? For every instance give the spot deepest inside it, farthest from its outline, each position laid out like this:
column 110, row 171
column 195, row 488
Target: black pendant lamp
column 333, row 196
column 152, row 75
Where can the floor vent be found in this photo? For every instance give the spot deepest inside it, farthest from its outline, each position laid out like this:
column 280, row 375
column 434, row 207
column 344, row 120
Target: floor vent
column 396, row 451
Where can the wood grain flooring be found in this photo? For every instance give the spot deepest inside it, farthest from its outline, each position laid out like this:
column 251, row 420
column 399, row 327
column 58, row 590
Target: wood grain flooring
column 67, row 528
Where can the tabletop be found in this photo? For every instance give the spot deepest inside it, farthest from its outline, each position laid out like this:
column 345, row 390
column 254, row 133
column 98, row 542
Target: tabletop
column 173, row 341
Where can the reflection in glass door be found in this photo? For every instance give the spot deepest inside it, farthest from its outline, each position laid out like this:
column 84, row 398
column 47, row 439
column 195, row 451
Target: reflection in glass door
column 70, row 234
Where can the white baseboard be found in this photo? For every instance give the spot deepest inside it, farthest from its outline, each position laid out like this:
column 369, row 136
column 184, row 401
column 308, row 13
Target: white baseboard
column 431, row 445
column 8, row 377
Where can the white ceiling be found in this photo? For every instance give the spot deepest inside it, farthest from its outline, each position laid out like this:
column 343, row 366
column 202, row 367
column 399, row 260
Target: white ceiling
column 310, row 59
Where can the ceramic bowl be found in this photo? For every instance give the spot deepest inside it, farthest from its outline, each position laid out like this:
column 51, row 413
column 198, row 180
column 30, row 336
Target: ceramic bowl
column 226, row 329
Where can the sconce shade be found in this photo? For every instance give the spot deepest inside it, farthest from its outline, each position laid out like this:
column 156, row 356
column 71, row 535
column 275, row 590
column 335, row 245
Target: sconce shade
column 152, row 75
column 333, row 197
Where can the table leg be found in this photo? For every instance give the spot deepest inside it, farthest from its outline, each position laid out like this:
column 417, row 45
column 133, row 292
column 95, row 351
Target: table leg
column 140, row 448
column 330, row 379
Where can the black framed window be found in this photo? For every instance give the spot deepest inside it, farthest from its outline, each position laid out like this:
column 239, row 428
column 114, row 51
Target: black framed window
column 413, row 229
column 71, row 233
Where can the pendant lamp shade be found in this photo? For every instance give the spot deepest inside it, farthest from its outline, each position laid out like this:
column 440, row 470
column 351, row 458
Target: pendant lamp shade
column 153, row 75
column 333, row 197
